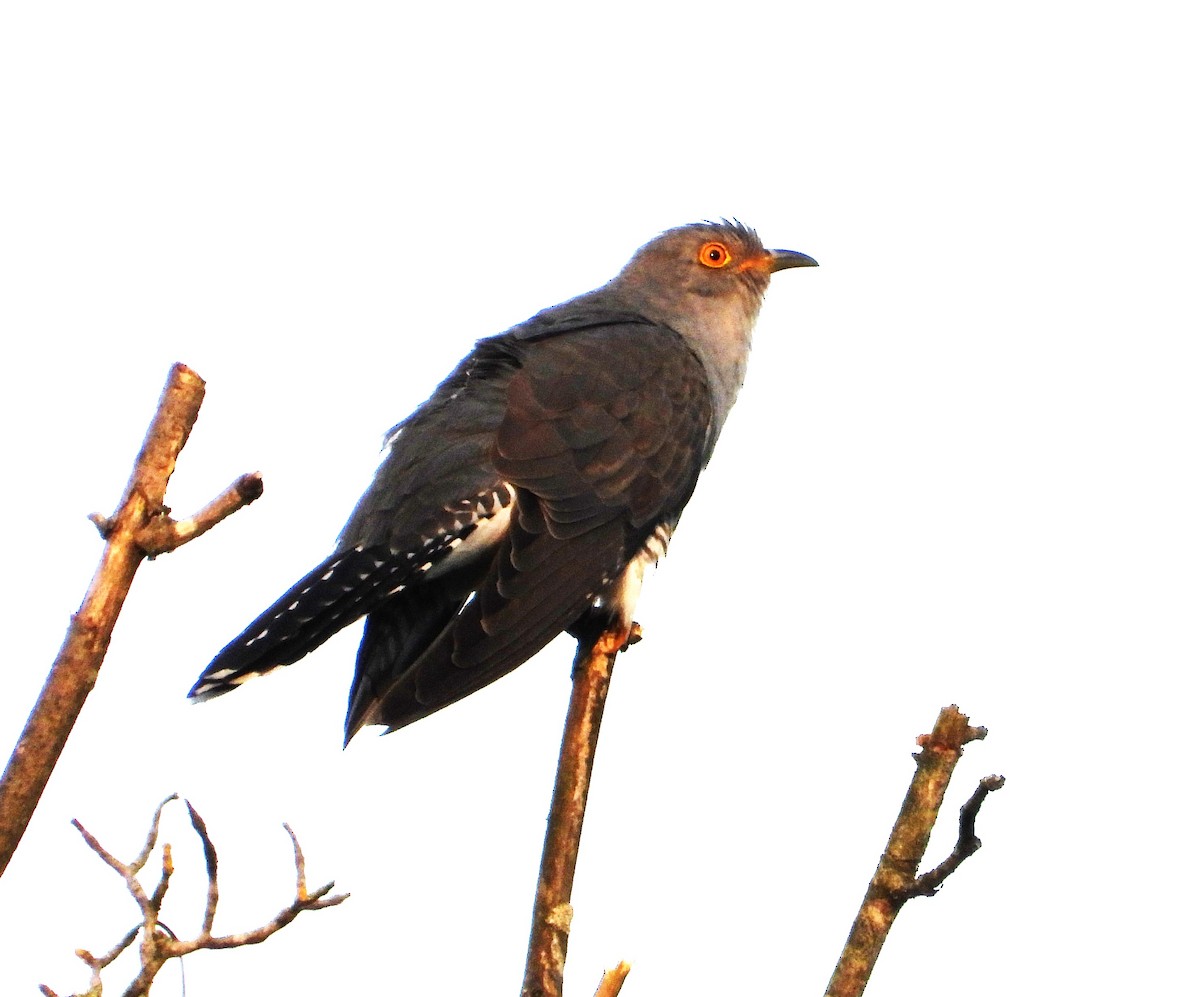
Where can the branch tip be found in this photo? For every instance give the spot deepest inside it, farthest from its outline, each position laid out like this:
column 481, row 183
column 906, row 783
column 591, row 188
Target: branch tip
column 613, row 980
column 249, row 487
column 301, row 887
column 103, row 524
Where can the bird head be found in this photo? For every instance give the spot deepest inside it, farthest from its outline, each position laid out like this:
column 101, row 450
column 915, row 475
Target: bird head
column 696, row 267
column 706, row 281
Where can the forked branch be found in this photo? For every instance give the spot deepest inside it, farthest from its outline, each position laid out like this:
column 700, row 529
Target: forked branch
column 159, row 944
column 141, row 527
column 896, row 880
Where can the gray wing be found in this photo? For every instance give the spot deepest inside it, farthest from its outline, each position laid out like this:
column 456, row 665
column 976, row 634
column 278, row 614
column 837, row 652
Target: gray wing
column 602, row 439
column 435, row 487
column 506, row 505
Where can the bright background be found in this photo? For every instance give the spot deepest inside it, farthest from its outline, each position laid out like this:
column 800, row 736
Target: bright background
column 963, row 469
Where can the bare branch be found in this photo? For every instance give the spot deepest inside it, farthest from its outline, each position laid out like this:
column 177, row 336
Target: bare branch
column 98, row 963
column 304, row 900
column 316, row 900
column 75, row 670
column 164, row 880
column 895, row 880
column 158, row 943
column 552, row 911
column 109, row 860
column 613, row 980
column 210, row 866
column 148, row 905
column 928, row 883
column 151, row 837
column 301, row 886
column 163, row 534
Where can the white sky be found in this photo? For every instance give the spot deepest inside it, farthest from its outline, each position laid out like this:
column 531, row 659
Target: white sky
column 963, row 469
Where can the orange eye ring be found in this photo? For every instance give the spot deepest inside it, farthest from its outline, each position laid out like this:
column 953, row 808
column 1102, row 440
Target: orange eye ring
column 715, row 255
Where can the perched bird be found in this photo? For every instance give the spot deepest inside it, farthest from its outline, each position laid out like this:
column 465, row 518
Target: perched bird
column 527, row 495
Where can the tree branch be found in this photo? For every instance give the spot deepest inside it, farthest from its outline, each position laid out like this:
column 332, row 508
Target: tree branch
column 895, row 880
column 552, row 910
column 163, row 534
column 141, row 527
column 159, row 944
column 613, row 980
column 928, row 883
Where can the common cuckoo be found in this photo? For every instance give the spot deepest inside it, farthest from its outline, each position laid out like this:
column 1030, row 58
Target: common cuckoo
column 527, row 495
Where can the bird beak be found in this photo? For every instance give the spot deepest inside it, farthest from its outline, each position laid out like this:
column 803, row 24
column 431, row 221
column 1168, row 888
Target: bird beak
column 782, row 259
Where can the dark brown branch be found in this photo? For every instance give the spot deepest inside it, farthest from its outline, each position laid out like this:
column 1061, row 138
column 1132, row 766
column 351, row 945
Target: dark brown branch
column 210, row 867
column 159, row 944
column 895, row 880
column 552, row 910
column 928, row 883
column 140, row 526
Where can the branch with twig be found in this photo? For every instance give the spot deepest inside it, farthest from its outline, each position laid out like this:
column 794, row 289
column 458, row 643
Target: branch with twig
column 896, row 880
column 552, row 911
column 159, row 944
column 928, row 883
column 141, row 527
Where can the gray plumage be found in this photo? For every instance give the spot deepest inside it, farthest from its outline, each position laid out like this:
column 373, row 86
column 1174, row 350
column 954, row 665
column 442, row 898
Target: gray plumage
column 526, row 496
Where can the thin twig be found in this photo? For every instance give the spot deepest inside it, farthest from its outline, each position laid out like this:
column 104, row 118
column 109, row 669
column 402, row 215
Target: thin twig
column 210, row 867
column 928, row 883
column 151, row 837
column 552, row 911
column 164, row 880
column 97, row 963
column 109, row 859
column 74, row 671
column 301, row 885
column 895, row 880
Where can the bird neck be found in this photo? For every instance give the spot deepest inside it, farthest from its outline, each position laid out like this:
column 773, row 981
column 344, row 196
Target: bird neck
column 717, row 328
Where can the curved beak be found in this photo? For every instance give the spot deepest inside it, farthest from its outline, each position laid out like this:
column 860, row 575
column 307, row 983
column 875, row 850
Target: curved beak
column 782, row 259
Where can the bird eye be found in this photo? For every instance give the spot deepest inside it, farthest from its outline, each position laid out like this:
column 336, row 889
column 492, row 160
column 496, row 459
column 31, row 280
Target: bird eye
column 714, row 254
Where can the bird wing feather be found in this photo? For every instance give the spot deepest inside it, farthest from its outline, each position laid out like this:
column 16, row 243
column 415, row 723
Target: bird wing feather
column 602, row 437
column 581, row 433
